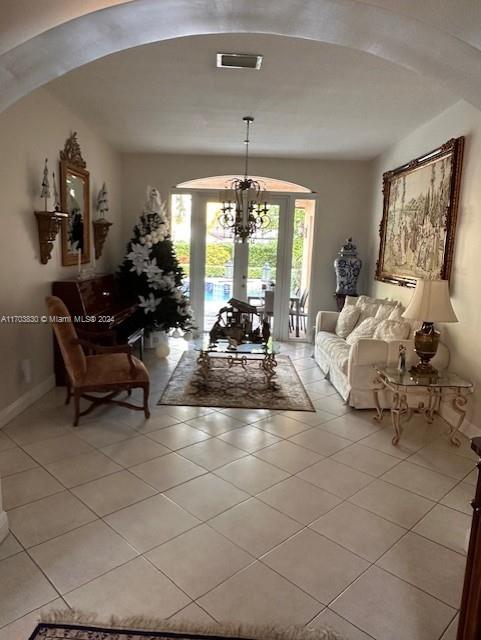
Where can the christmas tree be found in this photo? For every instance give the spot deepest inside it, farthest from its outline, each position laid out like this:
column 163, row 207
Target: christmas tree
column 151, row 272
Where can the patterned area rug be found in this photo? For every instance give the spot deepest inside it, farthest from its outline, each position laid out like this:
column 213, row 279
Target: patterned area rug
column 153, row 630
column 236, row 387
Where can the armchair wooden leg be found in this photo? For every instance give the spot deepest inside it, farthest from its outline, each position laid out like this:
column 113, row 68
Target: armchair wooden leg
column 69, row 393
column 77, row 407
column 146, row 402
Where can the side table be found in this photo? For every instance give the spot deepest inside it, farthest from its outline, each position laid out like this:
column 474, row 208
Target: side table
column 436, row 389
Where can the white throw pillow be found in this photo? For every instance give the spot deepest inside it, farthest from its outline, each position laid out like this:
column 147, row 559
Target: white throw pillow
column 384, row 310
column 396, row 313
column 364, row 330
column 392, row 330
column 347, row 320
column 368, row 307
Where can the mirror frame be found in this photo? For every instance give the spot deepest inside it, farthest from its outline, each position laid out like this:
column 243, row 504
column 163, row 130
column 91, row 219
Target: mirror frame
column 71, row 162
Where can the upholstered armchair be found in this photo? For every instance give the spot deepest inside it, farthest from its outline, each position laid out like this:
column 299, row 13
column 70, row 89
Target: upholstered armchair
column 110, row 370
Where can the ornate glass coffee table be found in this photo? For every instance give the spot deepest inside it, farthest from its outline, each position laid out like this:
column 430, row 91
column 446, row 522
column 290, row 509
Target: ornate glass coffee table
column 436, row 389
column 209, row 352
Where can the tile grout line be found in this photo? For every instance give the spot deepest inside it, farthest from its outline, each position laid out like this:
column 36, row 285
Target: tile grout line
column 282, row 439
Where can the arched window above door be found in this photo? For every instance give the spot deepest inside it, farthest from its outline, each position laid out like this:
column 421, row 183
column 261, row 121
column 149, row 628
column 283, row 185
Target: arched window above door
column 219, row 182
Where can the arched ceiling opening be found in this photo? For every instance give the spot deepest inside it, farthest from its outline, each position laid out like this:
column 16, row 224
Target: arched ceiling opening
column 444, row 49
column 310, row 99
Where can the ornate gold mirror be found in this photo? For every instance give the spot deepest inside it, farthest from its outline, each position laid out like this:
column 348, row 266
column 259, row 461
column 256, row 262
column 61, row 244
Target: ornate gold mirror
column 75, row 201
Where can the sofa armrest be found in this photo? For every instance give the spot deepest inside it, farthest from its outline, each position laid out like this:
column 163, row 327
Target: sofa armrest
column 393, row 351
column 326, row 321
column 368, row 351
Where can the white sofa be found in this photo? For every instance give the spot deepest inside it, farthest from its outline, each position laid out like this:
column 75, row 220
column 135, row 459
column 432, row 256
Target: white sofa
column 351, row 368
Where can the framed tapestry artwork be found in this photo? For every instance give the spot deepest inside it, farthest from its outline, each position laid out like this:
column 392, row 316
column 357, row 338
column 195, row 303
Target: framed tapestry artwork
column 419, row 217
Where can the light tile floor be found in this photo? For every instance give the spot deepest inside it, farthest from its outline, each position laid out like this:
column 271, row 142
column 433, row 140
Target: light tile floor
column 233, row 514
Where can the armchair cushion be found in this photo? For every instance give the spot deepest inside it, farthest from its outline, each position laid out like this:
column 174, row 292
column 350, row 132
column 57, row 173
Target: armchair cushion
column 113, row 369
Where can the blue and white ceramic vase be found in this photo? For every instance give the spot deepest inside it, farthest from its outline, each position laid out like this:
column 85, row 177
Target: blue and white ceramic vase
column 348, row 266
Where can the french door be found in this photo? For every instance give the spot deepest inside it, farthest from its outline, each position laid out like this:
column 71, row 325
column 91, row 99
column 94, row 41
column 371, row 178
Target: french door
column 261, row 271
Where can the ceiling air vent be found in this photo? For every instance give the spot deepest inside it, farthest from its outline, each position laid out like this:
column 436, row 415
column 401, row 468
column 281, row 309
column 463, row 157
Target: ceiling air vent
column 239, row 61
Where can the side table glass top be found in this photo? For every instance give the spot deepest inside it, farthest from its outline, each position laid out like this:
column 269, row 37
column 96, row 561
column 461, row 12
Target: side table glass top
column 272, row 347
column 443, row 378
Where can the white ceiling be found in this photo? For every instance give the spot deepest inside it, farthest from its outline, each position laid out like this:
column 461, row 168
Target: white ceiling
column 439, row 39
column 309, row 100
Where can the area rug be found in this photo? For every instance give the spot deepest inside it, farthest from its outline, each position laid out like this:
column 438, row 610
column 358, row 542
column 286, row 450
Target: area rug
column 236, row 387
column 85, row 627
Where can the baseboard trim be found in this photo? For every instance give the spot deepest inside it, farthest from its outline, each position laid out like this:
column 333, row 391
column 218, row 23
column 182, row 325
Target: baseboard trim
column 24, row 401
column 469, row 429
column 3, row 525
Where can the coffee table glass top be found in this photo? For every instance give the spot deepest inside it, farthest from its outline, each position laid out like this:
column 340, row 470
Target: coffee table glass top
column 223, row 346
column 444, row 378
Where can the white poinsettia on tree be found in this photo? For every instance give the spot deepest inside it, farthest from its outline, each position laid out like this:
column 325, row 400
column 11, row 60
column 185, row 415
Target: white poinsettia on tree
column 151, row 271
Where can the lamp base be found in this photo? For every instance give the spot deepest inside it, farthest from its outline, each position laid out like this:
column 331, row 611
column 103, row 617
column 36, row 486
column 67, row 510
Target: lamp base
column 426, row 341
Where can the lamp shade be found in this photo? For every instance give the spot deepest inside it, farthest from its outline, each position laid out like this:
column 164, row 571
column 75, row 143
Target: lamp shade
column 431, row 302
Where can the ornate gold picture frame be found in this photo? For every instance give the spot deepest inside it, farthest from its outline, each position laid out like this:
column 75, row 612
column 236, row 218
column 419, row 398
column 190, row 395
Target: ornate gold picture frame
column 418, row 225
column 75, row 201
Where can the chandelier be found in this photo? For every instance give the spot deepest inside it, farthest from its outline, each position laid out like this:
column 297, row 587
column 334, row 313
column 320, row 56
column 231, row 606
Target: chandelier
column 244, row 209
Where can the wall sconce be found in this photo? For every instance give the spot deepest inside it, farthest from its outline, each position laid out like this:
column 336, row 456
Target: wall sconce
column 101, row 225
column 101, row 230
column 48, row 222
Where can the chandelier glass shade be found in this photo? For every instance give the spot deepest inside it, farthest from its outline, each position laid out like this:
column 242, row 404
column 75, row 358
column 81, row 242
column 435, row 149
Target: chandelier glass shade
column 244, row 210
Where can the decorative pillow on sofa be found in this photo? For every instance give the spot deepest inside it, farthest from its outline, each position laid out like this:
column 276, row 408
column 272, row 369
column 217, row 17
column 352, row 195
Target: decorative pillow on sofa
column 392, row 330
column 396, row 313
column 385, row 309
column 368, row 307
column 364, row 330
column 347, row 320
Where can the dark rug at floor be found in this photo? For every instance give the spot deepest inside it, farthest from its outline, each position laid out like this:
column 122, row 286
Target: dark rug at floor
column 141, row 628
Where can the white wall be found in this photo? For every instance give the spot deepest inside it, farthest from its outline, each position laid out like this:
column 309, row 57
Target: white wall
column 34, row 129
column 343, row 189
column 464, row 338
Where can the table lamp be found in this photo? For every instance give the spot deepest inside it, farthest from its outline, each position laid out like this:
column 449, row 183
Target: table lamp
column 430, row 303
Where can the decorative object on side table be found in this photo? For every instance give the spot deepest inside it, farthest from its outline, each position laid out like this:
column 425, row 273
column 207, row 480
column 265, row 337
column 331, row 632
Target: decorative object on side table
column 347, row 266
column 48, row 222
column 101, row 225
column 430, row 303
column 75, row 195
column 151, row 272
column 437, row 389
column 419, row 216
